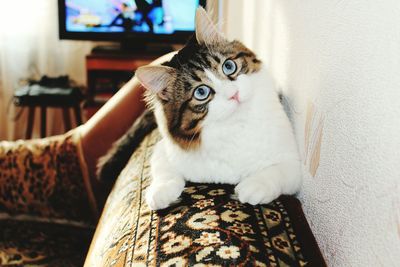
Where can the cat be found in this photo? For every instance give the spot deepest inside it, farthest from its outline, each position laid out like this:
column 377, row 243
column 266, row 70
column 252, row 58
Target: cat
column 220, row 120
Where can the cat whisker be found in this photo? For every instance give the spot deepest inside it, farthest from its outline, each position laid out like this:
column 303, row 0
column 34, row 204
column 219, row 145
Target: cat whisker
column 194, row 134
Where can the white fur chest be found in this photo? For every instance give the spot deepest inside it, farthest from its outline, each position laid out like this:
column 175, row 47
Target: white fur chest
column 253, row 135
column 252, row 139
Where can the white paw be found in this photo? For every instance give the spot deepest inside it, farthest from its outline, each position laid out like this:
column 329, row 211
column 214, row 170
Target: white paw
column 254, row 191
column 160, row 195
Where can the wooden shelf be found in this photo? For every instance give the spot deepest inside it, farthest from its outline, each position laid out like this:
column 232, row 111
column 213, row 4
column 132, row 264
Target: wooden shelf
column 116, row 62
column 107, row 73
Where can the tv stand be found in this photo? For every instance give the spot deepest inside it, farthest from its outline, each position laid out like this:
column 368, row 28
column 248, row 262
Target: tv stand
column 107, row 71
column 133, row 49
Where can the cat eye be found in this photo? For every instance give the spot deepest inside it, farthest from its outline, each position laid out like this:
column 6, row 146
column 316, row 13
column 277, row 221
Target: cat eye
column 229, row 67
column 202, row 92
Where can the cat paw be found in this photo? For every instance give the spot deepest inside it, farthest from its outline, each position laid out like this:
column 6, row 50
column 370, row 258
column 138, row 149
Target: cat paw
column 255, row 192
column 160, row 195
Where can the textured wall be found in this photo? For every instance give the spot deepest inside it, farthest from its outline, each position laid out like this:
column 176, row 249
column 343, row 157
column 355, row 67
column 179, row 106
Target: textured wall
column 339, row 63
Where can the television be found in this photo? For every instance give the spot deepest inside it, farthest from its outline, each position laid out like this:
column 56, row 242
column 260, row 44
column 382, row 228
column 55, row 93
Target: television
column 133, row 23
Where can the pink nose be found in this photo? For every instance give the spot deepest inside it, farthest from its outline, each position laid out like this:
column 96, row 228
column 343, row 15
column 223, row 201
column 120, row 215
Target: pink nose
column 235, row 96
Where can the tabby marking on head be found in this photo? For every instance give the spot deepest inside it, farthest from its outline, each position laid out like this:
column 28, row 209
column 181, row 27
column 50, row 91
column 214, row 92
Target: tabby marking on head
column 175, row 84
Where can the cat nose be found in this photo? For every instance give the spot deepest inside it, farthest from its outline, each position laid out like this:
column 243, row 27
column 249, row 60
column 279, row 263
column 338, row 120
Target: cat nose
column 235, row 96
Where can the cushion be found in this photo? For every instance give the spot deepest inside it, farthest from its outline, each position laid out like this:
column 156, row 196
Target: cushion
column 47, row 207
column 208, row 226
column 46, row 178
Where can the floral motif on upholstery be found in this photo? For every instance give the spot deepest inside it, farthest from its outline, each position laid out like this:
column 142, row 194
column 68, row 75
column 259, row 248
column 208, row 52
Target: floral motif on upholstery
column 209, row 238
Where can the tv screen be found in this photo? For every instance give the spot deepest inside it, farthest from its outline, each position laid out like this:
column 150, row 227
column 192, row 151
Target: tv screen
column 153, row 20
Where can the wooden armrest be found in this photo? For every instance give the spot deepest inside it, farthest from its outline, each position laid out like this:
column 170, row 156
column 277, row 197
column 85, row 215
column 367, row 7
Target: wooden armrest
column 112, row 121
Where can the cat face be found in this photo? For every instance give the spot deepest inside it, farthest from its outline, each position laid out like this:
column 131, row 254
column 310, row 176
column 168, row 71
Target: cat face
column 206, row 82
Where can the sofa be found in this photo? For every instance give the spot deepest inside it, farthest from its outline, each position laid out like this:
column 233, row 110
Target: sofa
column 54, row 212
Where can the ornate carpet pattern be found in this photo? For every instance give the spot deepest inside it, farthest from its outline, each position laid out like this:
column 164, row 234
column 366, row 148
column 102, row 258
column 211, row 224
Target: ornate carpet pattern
column 208, row 226
column 211, row 227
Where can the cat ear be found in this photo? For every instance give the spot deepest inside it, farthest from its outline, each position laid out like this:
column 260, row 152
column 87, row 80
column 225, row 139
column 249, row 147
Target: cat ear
column 206, row 31
column 155, row 79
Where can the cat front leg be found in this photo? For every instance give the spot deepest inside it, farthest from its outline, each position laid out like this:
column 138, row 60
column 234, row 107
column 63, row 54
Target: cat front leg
column 166, row 185
column 269, row 183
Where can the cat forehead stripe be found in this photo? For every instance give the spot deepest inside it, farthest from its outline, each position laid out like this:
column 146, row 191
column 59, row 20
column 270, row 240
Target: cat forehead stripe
column 242, row 54
column 214, row 79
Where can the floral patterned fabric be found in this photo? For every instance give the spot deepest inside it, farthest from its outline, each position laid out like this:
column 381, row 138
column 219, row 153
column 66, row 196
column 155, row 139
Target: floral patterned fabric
column 46, row 203
column 208, row 226
column 44, row 178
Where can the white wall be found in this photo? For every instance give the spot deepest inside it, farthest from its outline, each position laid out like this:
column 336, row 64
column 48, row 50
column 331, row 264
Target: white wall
column 338, row 61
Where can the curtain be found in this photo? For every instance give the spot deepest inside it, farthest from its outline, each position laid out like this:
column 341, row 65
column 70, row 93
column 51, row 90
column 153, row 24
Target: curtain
column 247, row 21
column 30, row 48
column 260, row 25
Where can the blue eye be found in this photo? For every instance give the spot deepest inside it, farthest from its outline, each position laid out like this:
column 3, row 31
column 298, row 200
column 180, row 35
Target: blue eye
column 229, row 67
column 202, row 92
